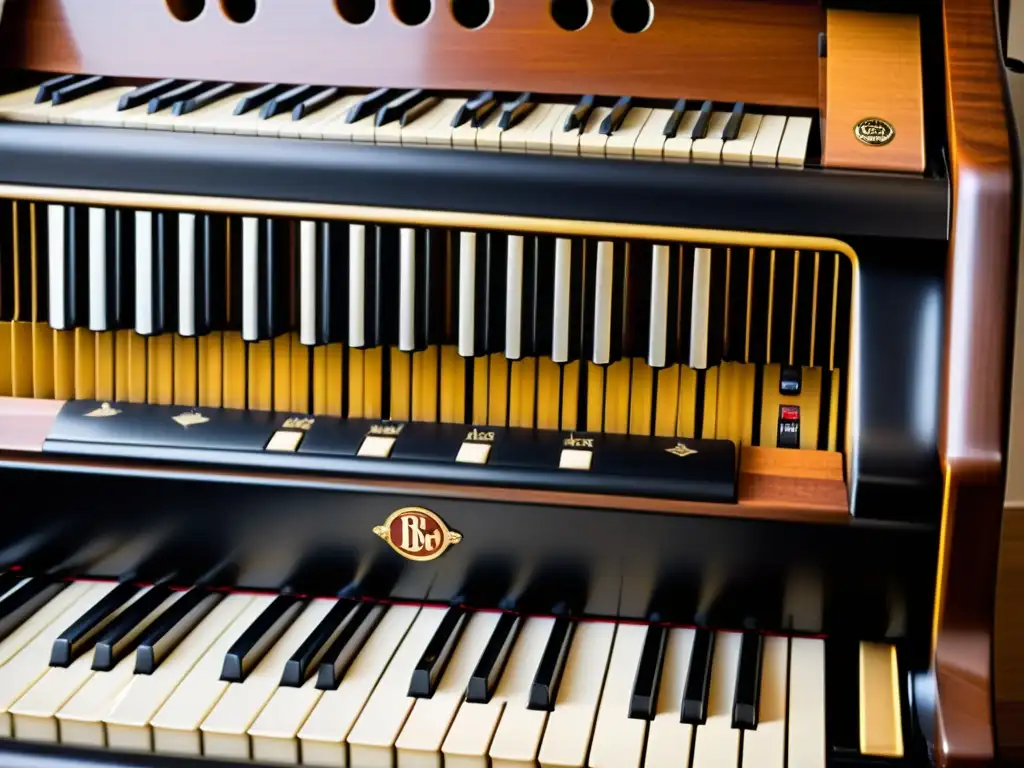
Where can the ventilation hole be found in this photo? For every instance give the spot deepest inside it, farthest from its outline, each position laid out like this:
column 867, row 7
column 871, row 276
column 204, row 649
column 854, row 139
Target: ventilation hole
column 472, row 14
column 186, row 10
column 632, row 15
column 412, row 13
column 239, row 11
column 356, row 11
column 571, row 15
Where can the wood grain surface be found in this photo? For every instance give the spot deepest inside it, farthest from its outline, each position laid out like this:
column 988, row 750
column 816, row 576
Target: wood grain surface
column 760, row 51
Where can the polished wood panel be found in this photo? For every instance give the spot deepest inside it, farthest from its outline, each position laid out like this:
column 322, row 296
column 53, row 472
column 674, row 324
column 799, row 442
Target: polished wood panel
column 874, row 71
column 760, row 51
column 974, row 428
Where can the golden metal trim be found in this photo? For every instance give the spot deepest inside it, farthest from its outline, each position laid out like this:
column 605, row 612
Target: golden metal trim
column 445, row 536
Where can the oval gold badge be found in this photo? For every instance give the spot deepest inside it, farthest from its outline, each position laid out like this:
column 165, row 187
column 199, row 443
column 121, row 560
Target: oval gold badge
column 417, row 533
column 874, row 131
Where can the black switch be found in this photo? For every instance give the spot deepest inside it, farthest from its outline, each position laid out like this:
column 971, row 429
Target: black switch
column 789, row 426
column 790, row 380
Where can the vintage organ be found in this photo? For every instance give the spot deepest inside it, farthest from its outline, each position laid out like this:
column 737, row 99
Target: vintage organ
column 489, row 383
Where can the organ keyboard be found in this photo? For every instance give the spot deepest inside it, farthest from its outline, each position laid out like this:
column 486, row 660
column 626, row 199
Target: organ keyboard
column 464, row 405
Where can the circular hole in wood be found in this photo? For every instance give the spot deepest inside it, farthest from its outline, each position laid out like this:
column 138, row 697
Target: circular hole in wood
column 239, row 11
column 571, row 15
column 186, row 10
column 472, row 14
column 632, row 16
column 355, row 11
column 412, row 13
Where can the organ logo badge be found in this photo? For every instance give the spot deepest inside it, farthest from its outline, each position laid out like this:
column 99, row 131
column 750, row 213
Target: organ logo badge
column 190, row 419
column 682, row 450
column 874, row 131
column 106, row 410
column 417, row 534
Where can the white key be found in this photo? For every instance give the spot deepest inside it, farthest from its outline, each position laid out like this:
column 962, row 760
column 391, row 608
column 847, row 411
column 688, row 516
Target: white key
column 440, row 134
column 592, row 141
column 488, row 137
column 35, row 712
column 700, row 307
column 391, row 133
column 467, row 293
column 568, row 732
column 765, row 746
column 793, row 149
column 656, row 350
column 13, row 106
column 420, row 742
column 563, row 283
column 340, row 130
column 108, row 115
column 565, row 142
column 520, row 731
column 307, row 282
column 417, row 132
column 60, row 113
column 187, row 274
column 650, row 142
column 667, row 737
column 618, row 738
column 217, row 117
column 475, row 726
column 465, row 135
column 678, row 147
column 250, row 278
column 540, row 139
column 356, row 284
column 515, row 138
column 406, row 289
column 24, row 669
column 718, row 743
column 769, row 136
column 603, row 289
column 514, row 298
column 98, row 270
column 623, row 141
column 175, row 726
column 709, row 149
column 81, row 718
column 309, row 127
column 806, row 703
column 373, row 737
column 144, row 272
column 740, row 149
column 225, row 728
column 128, row 720
column 55, row 259
column 325, row 732
column 39, row 621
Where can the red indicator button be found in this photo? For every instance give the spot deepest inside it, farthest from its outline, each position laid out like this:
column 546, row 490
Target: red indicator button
column 789, row 413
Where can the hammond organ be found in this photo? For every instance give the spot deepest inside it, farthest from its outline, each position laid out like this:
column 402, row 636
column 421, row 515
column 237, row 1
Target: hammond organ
column 486, row 383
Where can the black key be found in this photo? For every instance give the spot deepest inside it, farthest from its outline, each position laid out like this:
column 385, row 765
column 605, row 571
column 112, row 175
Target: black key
column 732, row 127
column 631, row 301
column 204, row 99
column 253, row 644
column 476, row 110
column 172, row 97
column 716, row 307
column 432, row 664
column 308, row 655
column 644, row 700
column 538, row 295
column 172, row 626
column 144, row 93
column 47, row 87
column 258, row 98
column 674, row 320
column 340, row 654
column 514, row 112
column 842, row 697
column 332, row 286
column 315, row 103
column 385, row 284
column 430, row 289
column 492, row 661
column 406, row 107
column 782, row 307
column 739, row 268
column 544, row 688
column 694, row 708
column 287, row 101
column 614, row 120
column 8, row 579
column 700, row 128
column 747, row 699
column 496, row 292
column 16, row 607
column 273, row 280
column 372, row 102
column 210, row 274
column 580, row 115
column 121, row 233
column 76, row 90
column 120, row 638
column 77, row 638
column 164, row 275
column 672, row 124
